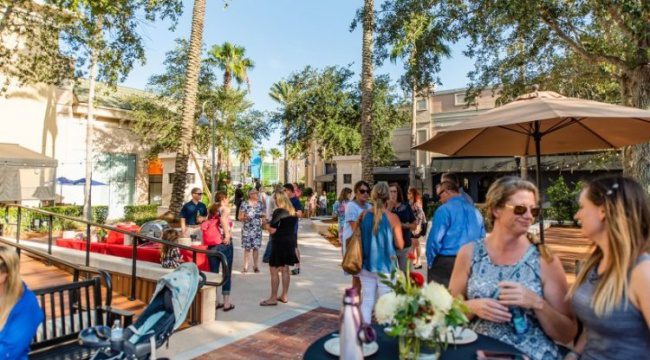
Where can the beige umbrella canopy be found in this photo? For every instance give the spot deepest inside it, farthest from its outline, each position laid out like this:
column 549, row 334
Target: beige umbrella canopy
column 543, row 122
column 563, row 125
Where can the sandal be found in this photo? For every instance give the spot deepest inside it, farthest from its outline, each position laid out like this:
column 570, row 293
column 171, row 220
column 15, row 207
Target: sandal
column 256, row 270
column 229, row 307
column 244, row 271
column 266, row 303
column 219, row 306
column 284, row 301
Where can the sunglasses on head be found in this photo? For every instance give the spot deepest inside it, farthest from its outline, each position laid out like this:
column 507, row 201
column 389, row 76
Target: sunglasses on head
column 521, row 209
column 363, row 191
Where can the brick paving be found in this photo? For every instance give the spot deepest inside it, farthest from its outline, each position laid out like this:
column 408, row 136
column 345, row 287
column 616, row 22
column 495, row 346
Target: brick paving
column 287, row 340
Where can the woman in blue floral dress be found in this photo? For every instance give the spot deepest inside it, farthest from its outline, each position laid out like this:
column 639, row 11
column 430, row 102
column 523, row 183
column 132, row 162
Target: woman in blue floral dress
column 251, row 214
column 515, row 289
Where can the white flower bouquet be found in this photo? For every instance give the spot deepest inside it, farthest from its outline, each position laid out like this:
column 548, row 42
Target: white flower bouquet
column 418, row 313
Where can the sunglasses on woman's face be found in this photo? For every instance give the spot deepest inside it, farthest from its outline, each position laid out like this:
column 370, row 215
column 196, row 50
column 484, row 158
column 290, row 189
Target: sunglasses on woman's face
column 521, row 209
column 363, row 191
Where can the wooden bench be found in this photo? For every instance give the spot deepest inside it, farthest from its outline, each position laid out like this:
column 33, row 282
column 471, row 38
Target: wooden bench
column 70, row 308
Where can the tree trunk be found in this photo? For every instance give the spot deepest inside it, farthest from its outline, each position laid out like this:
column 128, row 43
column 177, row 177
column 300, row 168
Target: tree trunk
column 366, row 91
column 227, row 79
column 636, row 92
column 87, row 209
column 414, row 125
column 189, row 107
column 286, row 161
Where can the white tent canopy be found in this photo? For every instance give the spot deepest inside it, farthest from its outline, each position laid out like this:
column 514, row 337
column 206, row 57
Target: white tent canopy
column 25, row 174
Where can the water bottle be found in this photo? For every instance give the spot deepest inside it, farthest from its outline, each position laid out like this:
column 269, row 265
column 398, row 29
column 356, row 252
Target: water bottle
column 117, row 334
column 350, row 343
column 519, row 321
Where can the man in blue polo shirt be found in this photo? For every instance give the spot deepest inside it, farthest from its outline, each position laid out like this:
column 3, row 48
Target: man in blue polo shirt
column 290, row 191
column 193, row 213
column 455, row 223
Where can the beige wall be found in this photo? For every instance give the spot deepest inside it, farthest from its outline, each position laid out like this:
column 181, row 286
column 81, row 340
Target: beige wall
column 347, row 165
column 47, row 120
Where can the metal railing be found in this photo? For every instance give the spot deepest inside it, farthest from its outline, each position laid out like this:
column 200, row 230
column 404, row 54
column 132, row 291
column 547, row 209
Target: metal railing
column 225, row 270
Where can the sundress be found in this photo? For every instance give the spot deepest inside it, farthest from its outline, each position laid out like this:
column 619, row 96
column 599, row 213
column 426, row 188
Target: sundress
column 251, row 232
column 171, row 259
column 339, row 209
column 482, row 283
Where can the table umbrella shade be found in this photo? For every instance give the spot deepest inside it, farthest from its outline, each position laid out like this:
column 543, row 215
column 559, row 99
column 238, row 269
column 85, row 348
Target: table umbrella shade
column 82, row 181
column 540, row 123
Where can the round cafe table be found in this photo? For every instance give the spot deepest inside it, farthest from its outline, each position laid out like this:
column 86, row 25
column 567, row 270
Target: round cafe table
column 388, row 348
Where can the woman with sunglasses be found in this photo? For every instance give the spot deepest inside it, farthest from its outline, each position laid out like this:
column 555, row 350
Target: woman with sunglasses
column 20, row 314
column 611, row 295
column 515, row 289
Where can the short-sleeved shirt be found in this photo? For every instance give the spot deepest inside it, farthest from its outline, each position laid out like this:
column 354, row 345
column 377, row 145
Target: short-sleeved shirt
column 190, row 210
column 296, row 203
column 406, row 216
column 352, row 212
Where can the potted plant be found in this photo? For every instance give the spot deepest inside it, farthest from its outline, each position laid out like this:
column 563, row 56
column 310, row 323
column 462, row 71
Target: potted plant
column 418, row 314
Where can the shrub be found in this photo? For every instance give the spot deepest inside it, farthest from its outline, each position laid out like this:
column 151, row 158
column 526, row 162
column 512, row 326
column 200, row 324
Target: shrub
column 563, row 200
column 137, row 212
column 27, row 217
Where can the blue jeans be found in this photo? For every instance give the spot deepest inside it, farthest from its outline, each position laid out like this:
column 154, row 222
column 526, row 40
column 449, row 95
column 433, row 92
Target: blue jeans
column 215, row 262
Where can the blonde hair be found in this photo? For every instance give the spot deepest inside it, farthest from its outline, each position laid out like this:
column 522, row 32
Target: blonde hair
column 282, row 201
column 379, row 196
column 498, row 195
column 627, row 222
column 10, row 265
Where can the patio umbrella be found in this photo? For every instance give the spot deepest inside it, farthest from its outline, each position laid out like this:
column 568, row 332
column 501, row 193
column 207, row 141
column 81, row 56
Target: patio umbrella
column 82, row 181
column 543, row 122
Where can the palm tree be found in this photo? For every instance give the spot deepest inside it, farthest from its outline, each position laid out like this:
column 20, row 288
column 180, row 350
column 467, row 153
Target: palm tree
column 283, row 93
column 262, row 153
column 189, row 107
column 231, row 59
column 275, row 154
column 366, row 91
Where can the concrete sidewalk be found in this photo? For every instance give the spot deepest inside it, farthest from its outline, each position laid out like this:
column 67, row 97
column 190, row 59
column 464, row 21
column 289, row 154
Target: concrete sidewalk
column 321, row 283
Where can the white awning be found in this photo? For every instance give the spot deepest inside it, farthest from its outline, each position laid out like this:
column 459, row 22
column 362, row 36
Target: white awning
column 16, row 155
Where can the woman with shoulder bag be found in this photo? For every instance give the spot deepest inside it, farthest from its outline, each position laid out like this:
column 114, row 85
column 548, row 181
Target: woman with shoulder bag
column 381, row 234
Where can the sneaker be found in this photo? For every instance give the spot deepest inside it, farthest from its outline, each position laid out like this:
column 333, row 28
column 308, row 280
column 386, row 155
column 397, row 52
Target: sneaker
column 295, row 271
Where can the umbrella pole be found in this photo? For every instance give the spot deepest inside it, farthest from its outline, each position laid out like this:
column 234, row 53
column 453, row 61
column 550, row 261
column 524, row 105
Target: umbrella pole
column 537, row 135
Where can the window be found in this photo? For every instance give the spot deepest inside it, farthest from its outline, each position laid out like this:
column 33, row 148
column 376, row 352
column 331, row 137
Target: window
column 459, row 99
column 347, row 178
column 190, row 178
column 421, row 105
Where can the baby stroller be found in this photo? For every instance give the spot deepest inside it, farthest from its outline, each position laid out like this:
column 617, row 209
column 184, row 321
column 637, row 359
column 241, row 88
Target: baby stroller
column 168, row 308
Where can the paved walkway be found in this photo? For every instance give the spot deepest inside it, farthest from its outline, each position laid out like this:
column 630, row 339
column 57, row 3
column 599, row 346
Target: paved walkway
column 320, row 285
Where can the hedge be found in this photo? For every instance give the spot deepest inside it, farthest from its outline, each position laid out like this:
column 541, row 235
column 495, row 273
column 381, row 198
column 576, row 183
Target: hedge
column 99, row 216
column 133, row 212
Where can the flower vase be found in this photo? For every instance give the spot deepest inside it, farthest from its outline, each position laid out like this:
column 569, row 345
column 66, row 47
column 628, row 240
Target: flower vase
column 409, row 347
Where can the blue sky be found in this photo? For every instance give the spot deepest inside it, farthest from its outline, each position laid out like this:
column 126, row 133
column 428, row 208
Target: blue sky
column 281, row 37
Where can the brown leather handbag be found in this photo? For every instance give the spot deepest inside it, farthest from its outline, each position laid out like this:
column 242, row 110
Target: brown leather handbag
column 353, row 257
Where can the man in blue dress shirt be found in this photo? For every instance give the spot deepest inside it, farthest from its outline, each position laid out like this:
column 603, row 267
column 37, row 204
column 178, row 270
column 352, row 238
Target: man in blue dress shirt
column 455, row 223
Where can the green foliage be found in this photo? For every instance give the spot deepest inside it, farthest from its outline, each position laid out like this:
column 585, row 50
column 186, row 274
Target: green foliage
column 135, row 212
column 233, row 61
column 111, row 28
column 157, row 119
column 413, row 31
column 325, row 105
column 563, row 199
column 27, row 217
